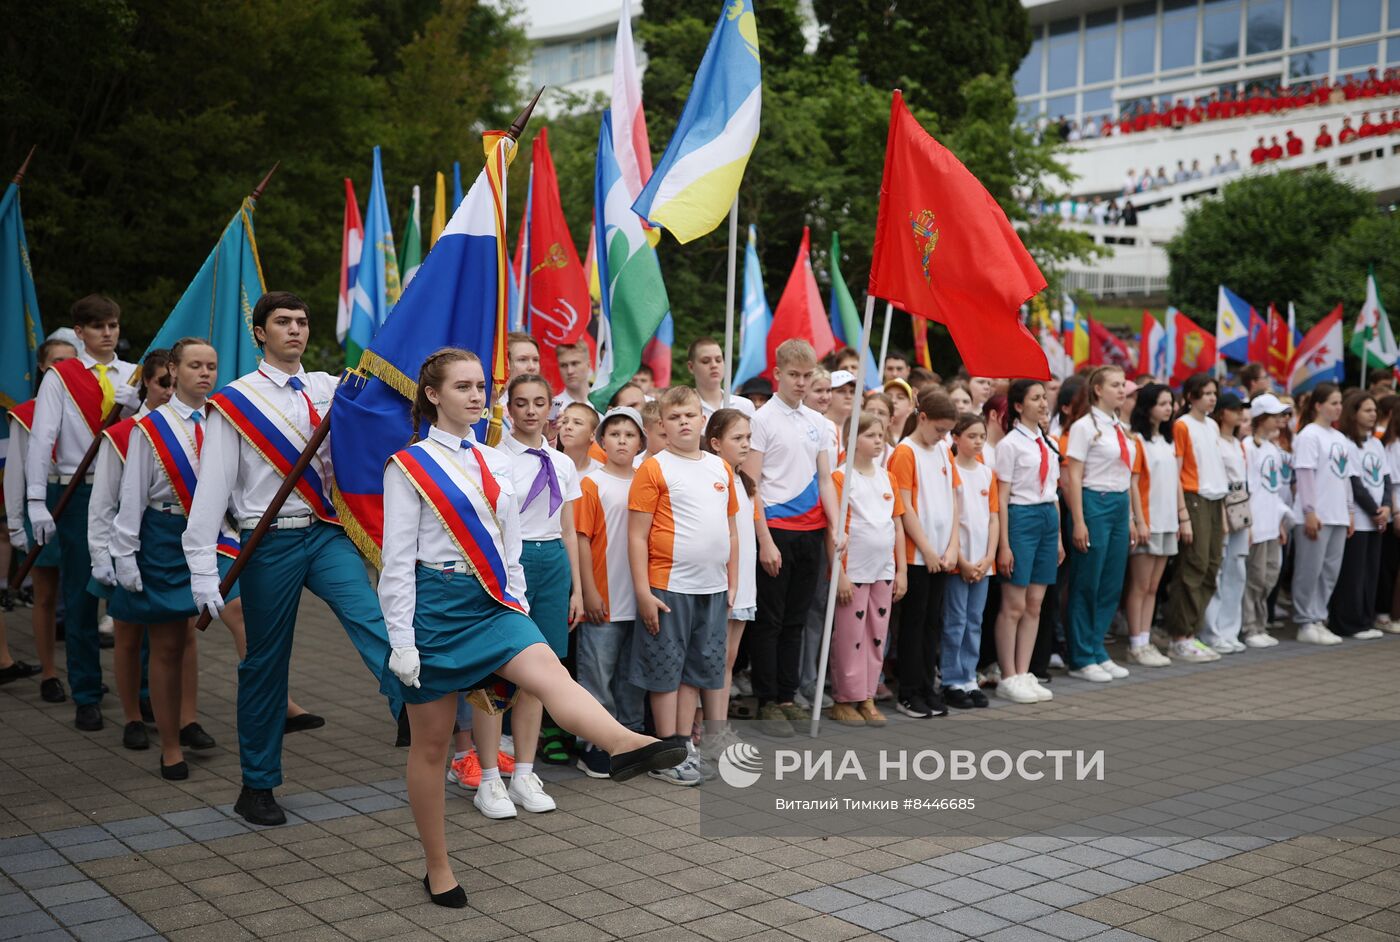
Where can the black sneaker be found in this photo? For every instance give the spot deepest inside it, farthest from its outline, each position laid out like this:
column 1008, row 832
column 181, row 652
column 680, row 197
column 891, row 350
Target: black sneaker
column 935, row 705
column 134, row 736
column 193, row 736
column 7, row 600
column 26, row 596
column 915, row 707
column 51, row 690
column 979, row 699
column 257, row 806
column 88, row 718
column 957, row 698
column 594, row 763
column 148, row 714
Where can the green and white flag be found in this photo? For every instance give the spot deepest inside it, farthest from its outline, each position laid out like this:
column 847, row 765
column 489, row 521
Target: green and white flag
column 1373, row 341
column 412, row 253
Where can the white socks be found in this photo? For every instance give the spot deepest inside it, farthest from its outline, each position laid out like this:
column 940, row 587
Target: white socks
column 490, row 775
column 1139, row 641
column 523, row 768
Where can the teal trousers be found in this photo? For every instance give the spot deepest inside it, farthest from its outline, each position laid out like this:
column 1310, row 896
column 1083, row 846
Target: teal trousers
column 1096, row 577
column 79, row 605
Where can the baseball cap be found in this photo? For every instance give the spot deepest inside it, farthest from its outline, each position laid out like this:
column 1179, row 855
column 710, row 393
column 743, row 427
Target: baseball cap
column 1229, row 401
column 841, row 378
column 1267, row 404
column 622, row 412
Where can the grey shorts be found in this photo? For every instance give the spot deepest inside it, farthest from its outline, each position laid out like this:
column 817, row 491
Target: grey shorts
column 689, row 648
column 1161, row 544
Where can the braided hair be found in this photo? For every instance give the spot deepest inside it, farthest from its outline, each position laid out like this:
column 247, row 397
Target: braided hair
column 432, row 375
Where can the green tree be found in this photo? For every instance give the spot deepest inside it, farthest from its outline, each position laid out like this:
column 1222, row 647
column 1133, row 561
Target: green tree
column 1265, row 237
column 1372, row 241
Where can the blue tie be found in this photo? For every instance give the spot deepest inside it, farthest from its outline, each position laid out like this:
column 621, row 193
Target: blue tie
column 296, row 383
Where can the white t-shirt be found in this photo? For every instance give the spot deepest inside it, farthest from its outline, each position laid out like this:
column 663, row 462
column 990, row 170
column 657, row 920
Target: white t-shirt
column 977, row 501
column 1392, row 456
column 746, row 593
column 927, row 473
column 1198, row 447
column 1327, row 453
column 1018, row 462
column 536, row 522
column 601, row 515
column 691, row 501
column 1370, row 462
column 735, row 402
column 1268, row 491
column 790, row 438
column 1157, row 483
column 1098, row 439
column 1232, row 454
column 874, row 504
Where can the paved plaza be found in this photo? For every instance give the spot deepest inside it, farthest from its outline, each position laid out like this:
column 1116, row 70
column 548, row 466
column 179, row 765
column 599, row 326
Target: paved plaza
column 95, row 846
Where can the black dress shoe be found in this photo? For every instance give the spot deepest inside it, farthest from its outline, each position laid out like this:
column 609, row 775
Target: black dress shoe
column 174, row 773
column 405, row 737
column 936, row 706
column 257, row 806
column 303, row 722
column 662, row 754
column 148, row 715
column 455, row 898
column 17, row 671
column 957, row 698
column 134, row 735
column 193, row 736
column 51, row 690
column 979, row 699
column 88, row 718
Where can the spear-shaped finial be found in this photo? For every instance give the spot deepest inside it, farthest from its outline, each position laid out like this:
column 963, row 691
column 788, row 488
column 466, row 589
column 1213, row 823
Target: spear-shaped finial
column 19, row 174
column 517, row 127
column 258, row 190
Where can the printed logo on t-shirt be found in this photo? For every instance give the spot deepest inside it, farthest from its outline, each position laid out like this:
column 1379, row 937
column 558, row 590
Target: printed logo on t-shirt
column 1371, row 468
column 887, row 496
column 720, row 485
column 1285, row 469
column 812, row 433
column 1269, row 473
column 1337, row 460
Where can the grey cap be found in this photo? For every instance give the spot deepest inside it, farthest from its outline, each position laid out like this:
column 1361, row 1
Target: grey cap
column 622, row 412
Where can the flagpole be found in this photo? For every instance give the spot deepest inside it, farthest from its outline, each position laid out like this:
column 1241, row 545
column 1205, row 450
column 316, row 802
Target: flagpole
column 318, row 437
column 843, row 505
column 729, row 301
column 520, row 292
column 885, row 338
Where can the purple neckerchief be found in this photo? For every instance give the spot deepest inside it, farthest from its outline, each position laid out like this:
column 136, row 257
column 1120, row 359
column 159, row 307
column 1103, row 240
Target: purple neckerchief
column 546, row 477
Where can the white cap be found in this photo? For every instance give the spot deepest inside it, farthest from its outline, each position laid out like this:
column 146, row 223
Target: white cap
column 1267, row 404
column 841, row 378
column 622, row 412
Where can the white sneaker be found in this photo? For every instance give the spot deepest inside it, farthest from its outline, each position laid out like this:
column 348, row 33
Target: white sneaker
column 1014, row 689
column 1148, row 656
column 527, row 791
column 1316, row 633
column 1211, row 654
column 992, row 676
column 1263, row 640
column 1222, row 647
column 744, row 683
column 104, row 626
column 1115, row 671
column 1237, row 645
column 1092, row 673
column 1057, row 662
column 1368, row 635
column 492, row 800
column 683, row 774
column 1383, row 622
column 1390, row 627
column 1186, row 649
column 701, row 764
column 1042, row 692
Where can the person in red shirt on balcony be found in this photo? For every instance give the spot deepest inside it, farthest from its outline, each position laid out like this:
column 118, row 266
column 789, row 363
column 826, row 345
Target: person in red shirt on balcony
column 1324, row 140
column 1350, row 90
column 1259, row 154
column 1367, row 129
column 1347, row 134
column 1275, row 149
column 1179, row 113
column 1197, row 114
column 1292, row 145
column 1372, row 86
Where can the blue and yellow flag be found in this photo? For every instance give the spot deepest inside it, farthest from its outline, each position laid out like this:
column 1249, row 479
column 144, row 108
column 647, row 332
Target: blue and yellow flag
column 698, row 177
column 20, row 329
column 757, row 317
column 218, row 304
column 377, row 285
column 457, row 299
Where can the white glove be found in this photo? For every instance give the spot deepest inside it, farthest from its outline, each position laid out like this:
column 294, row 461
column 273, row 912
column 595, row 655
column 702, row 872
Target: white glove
column 128, row 573
column 126, row 396
column 102, row 570
column 207, row 597
column 19, row 540
column 405, row 666
column 40, row 520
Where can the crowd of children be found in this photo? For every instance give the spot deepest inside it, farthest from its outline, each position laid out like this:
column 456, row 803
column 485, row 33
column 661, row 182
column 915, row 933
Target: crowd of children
column 643, row 574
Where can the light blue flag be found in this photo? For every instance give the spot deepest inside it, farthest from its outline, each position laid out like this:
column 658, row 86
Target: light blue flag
column 218, row 304
column 456, row 184
column 377, row 281
column 756, row 319
column 20, row 329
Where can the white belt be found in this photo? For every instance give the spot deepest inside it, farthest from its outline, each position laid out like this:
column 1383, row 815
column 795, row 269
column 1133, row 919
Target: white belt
column 166, row 507
column 451, row 565
column 67, row 478
column 301, row 521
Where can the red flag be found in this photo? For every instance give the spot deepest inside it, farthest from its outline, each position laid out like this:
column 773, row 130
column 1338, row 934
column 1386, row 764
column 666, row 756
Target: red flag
column 1191, row 348
column 800, row 312
column 1153, row 338
column 944, row 250
column 1105, row 349
column 555, row 287
column 921, row 351
column 1258, row 349
column 1280, row 353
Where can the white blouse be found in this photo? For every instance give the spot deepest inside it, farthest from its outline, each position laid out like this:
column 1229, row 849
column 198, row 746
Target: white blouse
column 143, row 480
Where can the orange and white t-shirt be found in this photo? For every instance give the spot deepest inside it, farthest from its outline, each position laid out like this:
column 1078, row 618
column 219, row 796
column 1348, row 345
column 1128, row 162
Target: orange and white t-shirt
column 928, row 474
column 977, row 501
column 691, row 501
column 1202, row 467
column 870, row 515
column 601, row 516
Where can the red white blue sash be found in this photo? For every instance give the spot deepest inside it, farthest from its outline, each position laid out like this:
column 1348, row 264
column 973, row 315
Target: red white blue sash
column 84, row 389
column 268, row 436
column 175, row 454
column 467, row 512
column 119, row 434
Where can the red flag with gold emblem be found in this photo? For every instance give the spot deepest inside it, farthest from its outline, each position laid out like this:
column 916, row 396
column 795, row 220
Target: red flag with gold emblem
column 944, row 250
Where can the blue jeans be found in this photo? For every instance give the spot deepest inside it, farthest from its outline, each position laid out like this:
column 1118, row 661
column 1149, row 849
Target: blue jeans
column 603, row 650
column 1096, row 576
column 963, row 603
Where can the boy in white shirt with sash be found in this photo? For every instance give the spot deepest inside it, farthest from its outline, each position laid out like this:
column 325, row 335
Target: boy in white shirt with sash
column 74, row 399
column 259, row 425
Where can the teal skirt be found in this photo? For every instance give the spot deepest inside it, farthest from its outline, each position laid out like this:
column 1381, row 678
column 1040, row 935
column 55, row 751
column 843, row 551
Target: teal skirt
column 165, row 576
column 548, row 585
column 462, row 635
column 48, row 553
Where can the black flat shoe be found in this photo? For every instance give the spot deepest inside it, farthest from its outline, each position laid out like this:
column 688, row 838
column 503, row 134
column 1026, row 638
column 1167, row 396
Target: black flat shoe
column 51, row 690
column 174, row 773
column 303, row 722
column 257, row 806
column 652, row 757
column 193, row 736
column 134, row 736
column 17, row 671
column 957, row 698
column 455, row 898
column 979, row 699
column 88, row 718
column 148, row 714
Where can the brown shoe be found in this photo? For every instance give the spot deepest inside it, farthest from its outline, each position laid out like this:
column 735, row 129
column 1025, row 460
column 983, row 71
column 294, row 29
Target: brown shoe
column 872, row 716
column 847, row 715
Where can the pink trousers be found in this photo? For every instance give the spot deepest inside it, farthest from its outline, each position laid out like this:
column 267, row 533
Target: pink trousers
column 858, row 642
